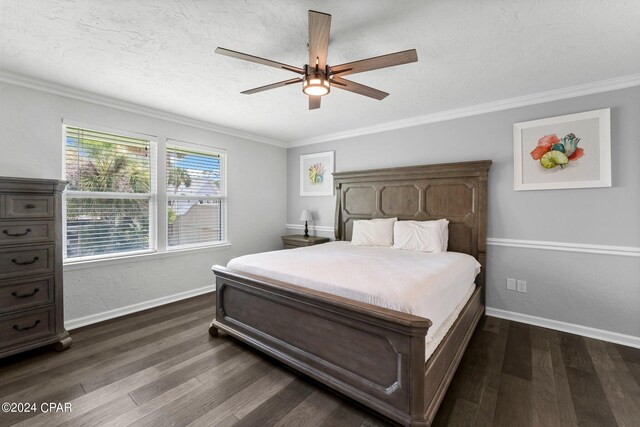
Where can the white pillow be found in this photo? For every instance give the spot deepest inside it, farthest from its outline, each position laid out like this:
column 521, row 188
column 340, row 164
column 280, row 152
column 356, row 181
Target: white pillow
column 419, row 236
column 373, row 232
column 444, row 227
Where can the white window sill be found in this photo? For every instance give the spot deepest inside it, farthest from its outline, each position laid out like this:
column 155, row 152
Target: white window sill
column 125, row 259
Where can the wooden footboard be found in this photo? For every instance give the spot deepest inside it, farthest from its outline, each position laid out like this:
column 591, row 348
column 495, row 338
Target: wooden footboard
column 371, row 354
column 442, row 364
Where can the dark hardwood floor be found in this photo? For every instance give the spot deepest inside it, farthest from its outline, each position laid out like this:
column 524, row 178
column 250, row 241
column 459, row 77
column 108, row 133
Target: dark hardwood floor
column 160, row 367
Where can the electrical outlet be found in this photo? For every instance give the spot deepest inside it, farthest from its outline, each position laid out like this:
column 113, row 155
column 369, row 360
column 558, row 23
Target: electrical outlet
column 522, row 286
column 511, row 284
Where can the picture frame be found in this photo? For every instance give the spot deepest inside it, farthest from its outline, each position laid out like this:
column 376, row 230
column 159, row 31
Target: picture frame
column 563, row 152
column 316, row 174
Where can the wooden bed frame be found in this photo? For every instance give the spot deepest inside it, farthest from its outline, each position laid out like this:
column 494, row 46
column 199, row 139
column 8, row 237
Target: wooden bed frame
column 371, row 354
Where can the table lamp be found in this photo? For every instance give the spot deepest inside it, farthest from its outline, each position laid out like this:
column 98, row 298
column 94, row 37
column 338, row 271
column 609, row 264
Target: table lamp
column 306, row 216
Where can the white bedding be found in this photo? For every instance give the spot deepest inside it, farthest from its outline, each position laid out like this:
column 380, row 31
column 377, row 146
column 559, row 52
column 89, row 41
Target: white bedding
column 434, row 286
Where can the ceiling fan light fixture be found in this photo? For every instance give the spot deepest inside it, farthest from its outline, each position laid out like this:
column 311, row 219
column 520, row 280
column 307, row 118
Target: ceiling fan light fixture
column 317, row 76
column 315, row 86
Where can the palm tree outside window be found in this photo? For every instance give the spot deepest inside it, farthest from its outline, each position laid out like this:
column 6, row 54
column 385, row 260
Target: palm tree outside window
column 195, row 196
column 110, row 204
column 110, row 196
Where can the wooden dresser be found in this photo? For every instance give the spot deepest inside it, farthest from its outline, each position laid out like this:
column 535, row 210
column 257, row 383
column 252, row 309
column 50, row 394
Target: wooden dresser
column 31, row 303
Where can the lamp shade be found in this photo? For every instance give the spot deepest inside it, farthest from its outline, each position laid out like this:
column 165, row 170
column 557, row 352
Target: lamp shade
column 306, row 215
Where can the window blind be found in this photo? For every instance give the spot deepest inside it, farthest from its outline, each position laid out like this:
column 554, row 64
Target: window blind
column 196, row 197
column 109, row 198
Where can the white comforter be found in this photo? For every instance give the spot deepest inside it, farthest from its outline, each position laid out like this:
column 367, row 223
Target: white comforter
column 434, row 286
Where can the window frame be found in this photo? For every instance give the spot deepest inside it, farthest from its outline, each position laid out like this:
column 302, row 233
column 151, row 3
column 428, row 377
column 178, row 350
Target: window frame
column 158, row 197
column 204, row 150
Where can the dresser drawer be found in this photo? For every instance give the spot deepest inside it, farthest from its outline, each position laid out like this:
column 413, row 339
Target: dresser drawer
column 26, row 326
column 24, row 261
column 21, row 294
column 15, row 233
column 28, row 206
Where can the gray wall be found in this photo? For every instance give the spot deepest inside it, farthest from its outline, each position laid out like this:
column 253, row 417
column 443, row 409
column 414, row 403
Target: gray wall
column 31, row 146
column 596, row 291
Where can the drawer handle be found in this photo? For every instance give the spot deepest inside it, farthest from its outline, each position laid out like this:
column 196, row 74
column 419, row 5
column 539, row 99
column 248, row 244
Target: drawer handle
column 30, row 206
column 35, row 258
column 35, row 291
column 26, row 328
column 27, row 231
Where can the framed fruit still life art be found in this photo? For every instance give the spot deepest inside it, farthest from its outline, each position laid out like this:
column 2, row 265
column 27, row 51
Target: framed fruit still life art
column 316, row 174
column 571, row 151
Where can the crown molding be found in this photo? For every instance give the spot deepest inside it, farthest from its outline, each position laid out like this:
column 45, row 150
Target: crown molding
column 474, row 110
column 566, row 247
column 106, row 101
column 500, row 105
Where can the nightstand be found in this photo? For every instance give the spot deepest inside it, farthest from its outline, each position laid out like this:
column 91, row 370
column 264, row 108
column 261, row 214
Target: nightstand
column 298, row 241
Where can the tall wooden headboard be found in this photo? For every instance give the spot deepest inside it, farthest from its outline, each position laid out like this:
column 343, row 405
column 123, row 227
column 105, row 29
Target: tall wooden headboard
column 455, row 191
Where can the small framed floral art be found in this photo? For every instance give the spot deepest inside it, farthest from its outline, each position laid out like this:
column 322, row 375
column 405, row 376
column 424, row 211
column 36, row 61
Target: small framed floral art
column 572, row 151
column 316, row 174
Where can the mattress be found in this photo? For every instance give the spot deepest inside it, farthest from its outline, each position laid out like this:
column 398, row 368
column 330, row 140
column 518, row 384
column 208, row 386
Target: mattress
column 435, row 286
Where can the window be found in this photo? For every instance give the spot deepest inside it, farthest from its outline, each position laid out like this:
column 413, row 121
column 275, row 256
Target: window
column 110, row 197
column 110, row 204
column 196, row 196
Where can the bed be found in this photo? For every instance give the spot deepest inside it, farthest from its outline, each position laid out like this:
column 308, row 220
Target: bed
column 372, row 354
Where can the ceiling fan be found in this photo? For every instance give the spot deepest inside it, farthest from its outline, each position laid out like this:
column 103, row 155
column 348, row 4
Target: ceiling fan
column 318, row 77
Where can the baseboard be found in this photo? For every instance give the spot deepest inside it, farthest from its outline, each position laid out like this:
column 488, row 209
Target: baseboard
column 571, row 328
column 134, row 308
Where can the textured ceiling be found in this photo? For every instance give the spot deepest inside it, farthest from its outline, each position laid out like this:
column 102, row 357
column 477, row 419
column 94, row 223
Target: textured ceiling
column 161, row 54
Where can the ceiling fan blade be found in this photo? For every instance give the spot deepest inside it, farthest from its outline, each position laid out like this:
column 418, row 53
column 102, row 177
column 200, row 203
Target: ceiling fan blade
column 258, row 60
column 354, row 87
column 314, row 102
column 375, row 63
column 271, row 86
column 319, row 28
